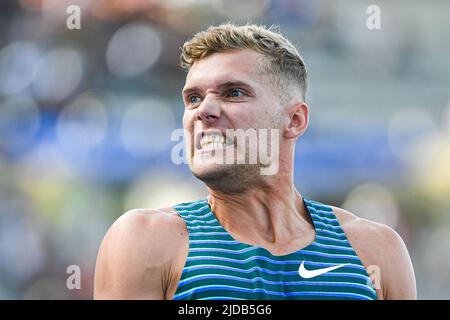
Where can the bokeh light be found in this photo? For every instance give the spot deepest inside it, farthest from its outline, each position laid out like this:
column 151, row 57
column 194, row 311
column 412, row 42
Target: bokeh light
column 146, row 127
column 446, row 120
column 436, row 259
column 132, row 50
column 19, row 122
column 21, row 244
column 58, row 74
column 82, row 124
column 433, row 176
column 374, row 202
column 17, row 66
column 406, row 129
column 242, row 11
column 156, row 190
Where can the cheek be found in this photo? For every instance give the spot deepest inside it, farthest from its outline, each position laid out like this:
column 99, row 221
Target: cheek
column 258, row 115
column 270, row 115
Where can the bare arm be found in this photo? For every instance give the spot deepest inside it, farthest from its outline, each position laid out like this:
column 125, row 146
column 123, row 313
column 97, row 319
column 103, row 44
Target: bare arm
column 397, row 274
column 135, row 256
column 383, row 253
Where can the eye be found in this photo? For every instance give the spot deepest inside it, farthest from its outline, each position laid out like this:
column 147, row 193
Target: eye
column 193, row 99
column 236, row 93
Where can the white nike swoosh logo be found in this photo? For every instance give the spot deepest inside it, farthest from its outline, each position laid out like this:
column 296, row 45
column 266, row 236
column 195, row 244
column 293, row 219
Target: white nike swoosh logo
column 307, row 274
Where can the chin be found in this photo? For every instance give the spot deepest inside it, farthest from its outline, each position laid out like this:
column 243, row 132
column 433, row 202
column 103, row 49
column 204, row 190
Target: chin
column 208, row 172
column 229, row 179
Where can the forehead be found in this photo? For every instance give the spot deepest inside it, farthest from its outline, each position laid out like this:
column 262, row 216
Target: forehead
column 236, row 65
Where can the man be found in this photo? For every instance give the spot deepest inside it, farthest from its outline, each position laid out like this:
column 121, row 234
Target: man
column 255, row 236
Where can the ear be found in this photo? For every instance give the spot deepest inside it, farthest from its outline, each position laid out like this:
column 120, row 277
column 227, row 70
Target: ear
column 298, row 120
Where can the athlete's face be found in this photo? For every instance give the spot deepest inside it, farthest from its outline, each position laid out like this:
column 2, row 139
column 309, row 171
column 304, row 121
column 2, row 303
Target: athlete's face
column 226, row 91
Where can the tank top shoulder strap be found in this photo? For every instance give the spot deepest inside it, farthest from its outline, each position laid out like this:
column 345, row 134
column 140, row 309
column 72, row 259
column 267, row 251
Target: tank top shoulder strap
column 196, row 214
column 325, row 221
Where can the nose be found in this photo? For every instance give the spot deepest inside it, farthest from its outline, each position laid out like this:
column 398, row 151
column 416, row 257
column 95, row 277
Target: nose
column 209, row 110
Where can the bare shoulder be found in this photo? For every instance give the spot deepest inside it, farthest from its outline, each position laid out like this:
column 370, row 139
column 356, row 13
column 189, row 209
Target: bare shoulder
column 150, row 224
column 137, row 252
column 360, row 229
column 382, row 250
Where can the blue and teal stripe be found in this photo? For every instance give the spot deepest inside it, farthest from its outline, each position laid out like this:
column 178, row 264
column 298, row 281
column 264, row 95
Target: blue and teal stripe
column 219, row 267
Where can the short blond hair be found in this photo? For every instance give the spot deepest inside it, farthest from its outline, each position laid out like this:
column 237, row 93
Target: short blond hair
column 282, row 62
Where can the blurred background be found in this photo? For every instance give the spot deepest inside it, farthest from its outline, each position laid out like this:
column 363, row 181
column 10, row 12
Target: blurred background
column 86, row 118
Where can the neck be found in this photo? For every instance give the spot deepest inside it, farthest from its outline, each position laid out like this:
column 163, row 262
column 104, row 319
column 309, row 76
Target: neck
column 271, row 215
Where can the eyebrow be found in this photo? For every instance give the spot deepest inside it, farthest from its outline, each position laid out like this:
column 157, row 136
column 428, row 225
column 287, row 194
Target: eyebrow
column 222, row 86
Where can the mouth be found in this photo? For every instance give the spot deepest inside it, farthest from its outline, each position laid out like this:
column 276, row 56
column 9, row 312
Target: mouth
column 213, row 140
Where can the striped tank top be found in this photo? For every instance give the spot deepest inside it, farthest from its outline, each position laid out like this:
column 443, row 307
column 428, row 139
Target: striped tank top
column 219, row 267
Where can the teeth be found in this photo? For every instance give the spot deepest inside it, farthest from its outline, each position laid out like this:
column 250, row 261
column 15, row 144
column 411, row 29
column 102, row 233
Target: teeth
column 212, row 141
